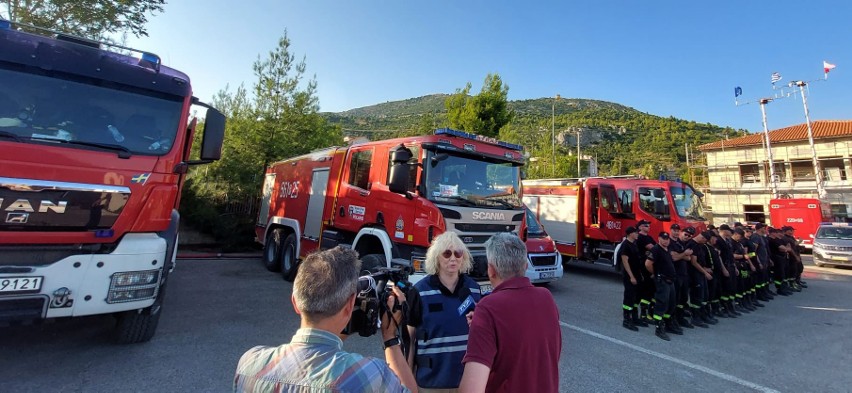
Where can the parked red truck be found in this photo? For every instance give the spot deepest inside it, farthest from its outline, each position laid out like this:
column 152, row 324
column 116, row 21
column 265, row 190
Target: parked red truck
column 803, row 214
column 587, row 217
column 388, row 199
column 95, row 147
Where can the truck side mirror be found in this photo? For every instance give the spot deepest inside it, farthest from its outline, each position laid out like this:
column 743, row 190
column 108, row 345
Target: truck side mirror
column 214, row 135
column 399, row 176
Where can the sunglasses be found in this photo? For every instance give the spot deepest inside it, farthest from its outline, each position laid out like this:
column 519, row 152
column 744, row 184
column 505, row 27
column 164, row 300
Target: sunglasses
column 448, row 253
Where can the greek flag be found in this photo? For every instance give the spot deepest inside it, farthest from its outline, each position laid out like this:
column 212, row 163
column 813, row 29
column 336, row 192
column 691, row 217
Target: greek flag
column 776, row 76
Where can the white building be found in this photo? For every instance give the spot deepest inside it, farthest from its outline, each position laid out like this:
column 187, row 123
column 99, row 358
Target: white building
column 738, row 182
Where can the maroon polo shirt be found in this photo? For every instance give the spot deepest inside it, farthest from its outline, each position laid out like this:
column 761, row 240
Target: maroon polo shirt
column 515, row 332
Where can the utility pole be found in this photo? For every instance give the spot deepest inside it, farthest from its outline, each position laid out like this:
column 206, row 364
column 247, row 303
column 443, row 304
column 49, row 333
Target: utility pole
column 553, row 137
column 773, row 181
column 578, row 153
column 817, row 172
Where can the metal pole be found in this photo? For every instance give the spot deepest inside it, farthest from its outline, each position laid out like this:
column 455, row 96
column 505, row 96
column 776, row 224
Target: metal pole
column 817, row 171
column 578, row 152
column 553, row 138
column 773, row 181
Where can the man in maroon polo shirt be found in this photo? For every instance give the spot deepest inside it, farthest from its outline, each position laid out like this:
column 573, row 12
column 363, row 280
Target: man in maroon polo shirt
column 515, row 339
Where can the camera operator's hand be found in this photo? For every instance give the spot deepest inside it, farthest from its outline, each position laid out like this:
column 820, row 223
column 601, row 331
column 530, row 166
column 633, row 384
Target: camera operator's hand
column 396, row 301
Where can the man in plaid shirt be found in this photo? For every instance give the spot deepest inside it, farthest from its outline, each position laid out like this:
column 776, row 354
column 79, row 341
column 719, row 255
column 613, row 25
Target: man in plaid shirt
column 314, row 360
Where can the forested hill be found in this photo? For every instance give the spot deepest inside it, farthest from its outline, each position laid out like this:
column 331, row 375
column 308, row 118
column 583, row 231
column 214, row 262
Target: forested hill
column 621, row 139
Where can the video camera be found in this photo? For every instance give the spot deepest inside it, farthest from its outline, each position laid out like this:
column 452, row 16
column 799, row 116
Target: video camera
column 371, row 300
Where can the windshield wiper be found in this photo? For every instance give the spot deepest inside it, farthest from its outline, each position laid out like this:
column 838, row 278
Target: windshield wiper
column 467, row 202
column 502, row 203
column 122, row 151
column 12, row 136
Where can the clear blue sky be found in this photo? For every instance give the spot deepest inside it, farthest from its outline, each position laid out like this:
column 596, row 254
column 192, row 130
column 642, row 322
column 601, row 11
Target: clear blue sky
column 667, row 58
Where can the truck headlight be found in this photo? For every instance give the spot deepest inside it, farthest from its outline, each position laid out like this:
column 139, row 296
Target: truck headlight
column 133, row 286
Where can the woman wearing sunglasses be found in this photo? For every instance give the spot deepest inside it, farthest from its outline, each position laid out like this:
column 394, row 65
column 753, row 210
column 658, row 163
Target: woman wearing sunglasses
column 439, row 307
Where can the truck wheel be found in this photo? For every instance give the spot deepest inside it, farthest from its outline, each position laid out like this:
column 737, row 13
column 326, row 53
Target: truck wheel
column 372, row 262
column 289, row 259
column 272, row 251
column 138, row 326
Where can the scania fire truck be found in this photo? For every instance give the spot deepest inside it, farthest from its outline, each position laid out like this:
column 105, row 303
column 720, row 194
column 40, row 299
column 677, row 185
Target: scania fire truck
column 94, row 147
column 586, row 217
column 388, row 199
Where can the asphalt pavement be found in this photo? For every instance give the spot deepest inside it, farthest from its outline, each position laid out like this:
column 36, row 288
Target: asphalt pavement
column 217, row 308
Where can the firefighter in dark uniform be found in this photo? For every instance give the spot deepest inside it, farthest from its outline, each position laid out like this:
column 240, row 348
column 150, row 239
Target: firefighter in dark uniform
column 660, row 265
column 796, row 266
column 754, row 276
column 779, row 252
column 630, row 258
column 681, row 257
column 646, row 287
column 698, row 277
column 745, row 268
column 728, row 278
column 720, row 273
column 763, row 260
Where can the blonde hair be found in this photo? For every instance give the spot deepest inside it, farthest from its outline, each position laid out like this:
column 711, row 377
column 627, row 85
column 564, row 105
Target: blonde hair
column 446, row 241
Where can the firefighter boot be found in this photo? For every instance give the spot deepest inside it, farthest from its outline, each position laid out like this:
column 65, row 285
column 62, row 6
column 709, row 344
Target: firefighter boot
column 681, row 319
column 672, row 327
column 696, row 319
column 628, row 321
column 661, row 330
column 637, row 320
column 755, row 300
column 729, row 309
column 706, row 316
column 717, row 310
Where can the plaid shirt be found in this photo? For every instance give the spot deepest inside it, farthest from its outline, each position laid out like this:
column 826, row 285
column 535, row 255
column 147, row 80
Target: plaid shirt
column 314, row 361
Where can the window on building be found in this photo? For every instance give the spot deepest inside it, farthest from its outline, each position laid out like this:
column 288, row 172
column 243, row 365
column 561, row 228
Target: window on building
column 839, row 213
column 802, row 170
column 359, row 169
column 833, row 169
column 780, row 171
column 750, row 173
column 754, row 213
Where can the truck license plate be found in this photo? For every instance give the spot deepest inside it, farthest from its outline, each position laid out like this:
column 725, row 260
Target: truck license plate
column 545, row 275
column 20, row 284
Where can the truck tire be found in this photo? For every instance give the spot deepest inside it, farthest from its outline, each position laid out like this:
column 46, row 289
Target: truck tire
column 139, row 326
column 289, row 260
column 372, row 262
column 272, row 251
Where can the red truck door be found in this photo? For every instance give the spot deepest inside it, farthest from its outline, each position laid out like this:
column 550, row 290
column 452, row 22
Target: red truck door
column 352, row 209
column 316, row 205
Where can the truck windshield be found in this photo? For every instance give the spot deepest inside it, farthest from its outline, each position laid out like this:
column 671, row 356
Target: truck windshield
column 467, row 181
column 86, row 114
column 687, row 203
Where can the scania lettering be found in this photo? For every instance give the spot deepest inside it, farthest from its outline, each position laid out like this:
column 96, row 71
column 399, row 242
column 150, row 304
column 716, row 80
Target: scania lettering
column 587, row 217
column 96, row 144
column 388, row 199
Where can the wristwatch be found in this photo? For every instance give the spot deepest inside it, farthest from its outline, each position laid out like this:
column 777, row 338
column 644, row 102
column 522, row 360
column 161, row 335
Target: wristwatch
column 391, row 342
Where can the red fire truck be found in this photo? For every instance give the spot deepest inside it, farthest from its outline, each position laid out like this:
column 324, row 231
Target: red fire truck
column 803, row 214
column 95, row 146
column 587, row 217
column 388, row 199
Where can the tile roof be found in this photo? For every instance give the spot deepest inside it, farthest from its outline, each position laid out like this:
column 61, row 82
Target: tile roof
column 823, row 129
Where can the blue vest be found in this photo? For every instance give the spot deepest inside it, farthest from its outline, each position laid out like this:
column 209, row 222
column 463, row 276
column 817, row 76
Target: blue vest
column 442, row 337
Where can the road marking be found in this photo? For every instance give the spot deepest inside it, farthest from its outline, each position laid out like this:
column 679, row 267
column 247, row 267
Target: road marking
column 824, row 308
column 693, row 366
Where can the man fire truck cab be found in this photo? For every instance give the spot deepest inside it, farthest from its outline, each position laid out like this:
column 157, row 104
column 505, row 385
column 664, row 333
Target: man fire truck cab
column 95, row 147
column 586, row 217
column 388, row 199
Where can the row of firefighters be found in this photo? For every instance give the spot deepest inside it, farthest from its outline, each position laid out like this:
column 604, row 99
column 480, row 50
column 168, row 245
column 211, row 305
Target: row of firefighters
column 689, row 279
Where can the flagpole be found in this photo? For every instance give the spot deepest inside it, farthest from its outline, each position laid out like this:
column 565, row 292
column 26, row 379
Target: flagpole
column 773, row 181
column 817, row 171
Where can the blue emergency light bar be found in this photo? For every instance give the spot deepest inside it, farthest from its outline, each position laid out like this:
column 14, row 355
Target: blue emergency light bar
column 480, row 138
